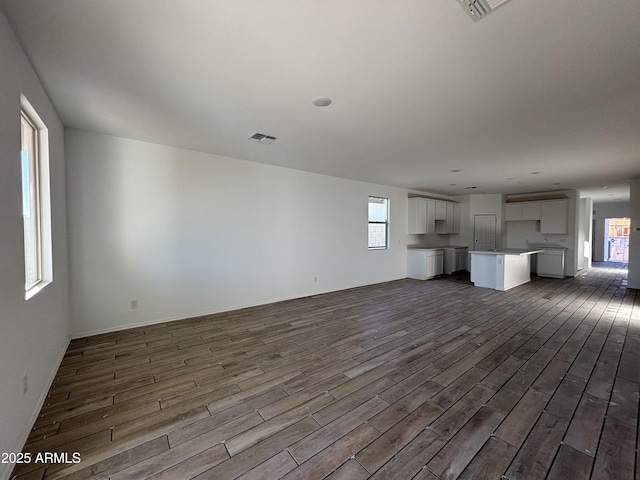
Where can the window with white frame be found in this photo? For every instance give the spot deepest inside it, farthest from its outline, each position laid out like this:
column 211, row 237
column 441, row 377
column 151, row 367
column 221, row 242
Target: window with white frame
column 36, row 204
column 378, row 223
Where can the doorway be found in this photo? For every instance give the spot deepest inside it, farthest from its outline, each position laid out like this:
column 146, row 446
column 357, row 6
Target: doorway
column 484, row 232
column 616, row 240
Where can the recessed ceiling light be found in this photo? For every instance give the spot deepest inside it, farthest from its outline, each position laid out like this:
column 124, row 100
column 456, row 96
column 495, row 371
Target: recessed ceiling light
column 456, row 170
column 321, row 101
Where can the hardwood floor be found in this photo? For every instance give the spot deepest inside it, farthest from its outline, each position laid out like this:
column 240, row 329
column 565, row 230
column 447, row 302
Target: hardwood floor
column 403, row 380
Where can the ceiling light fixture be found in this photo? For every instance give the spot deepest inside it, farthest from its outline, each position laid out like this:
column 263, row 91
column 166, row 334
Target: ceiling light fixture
column 321, row 101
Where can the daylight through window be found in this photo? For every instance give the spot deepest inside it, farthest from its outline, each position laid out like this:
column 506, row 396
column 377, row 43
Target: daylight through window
column 35, row 200
column 30, row 204
column 378, row 222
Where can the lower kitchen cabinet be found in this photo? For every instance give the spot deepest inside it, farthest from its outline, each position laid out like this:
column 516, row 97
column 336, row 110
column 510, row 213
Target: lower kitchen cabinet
column 425, row 263
column 456, row 259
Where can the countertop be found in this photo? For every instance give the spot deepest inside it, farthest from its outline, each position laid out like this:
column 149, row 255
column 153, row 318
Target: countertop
column 441, row 247
column 506, row 251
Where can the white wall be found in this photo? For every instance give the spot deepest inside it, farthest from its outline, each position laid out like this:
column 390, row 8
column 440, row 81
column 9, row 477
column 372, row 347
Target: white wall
column 188, row 233
column 634, row 236
column 602, row 212
column 35, row 333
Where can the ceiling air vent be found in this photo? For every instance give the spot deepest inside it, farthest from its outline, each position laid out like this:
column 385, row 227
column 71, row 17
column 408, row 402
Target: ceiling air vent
column 478, row 9
column 262, row 138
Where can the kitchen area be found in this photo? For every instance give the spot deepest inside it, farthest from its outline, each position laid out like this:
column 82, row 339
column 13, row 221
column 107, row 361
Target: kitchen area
column 500, row 239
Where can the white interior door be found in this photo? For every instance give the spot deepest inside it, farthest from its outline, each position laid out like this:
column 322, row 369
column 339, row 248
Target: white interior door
column 484, row 232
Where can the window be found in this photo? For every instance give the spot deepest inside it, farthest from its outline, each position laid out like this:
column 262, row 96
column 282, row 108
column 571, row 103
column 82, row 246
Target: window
column 36, row 205
column 378, row 223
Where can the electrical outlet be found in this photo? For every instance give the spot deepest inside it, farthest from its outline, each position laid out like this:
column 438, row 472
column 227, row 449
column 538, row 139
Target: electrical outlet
column 25, row 384
column 133, row 304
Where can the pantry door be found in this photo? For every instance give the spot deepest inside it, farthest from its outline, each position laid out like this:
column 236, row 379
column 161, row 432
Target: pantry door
column 484, row 232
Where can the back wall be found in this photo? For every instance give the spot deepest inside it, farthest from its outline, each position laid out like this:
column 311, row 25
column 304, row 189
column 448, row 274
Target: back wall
column 185, row 233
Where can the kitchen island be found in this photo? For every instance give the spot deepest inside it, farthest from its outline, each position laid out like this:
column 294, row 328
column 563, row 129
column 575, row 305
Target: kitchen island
column 501, row 268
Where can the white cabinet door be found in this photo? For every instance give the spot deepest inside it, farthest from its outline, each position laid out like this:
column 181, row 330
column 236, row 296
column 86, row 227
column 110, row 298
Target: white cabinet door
column 417, row 215
column 514, row 212
column 435, row 264
column 531, row 211
column 456, row 218
column 441, row 211
column 431, row 216
column 553, row 216
column 461, row 260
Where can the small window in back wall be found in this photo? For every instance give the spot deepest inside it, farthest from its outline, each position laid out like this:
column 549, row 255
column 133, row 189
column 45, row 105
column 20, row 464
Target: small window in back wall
column 378, row 223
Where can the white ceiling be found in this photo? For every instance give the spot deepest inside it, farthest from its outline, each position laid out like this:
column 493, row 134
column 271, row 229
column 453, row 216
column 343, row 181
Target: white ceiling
column 418, row 88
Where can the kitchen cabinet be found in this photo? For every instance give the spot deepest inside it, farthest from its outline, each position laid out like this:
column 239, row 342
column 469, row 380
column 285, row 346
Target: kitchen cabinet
column 441, row 210
column 433, row 216
column 421, row 216
column 550, row 263
column 553, row 216
column 456, row 219
column 451, row 223
column 513, row 212
column 456, row 259
column 417, row 215
column 531, row 211
column 522, row 211
column 424, row 263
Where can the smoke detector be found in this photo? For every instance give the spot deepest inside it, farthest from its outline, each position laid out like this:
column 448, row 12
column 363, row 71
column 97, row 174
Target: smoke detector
column 478, row 9
column 262, row 138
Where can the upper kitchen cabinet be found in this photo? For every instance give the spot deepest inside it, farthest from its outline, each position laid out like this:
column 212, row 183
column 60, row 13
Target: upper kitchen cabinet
column 523, row 211
column 441, row 210
column 531, row 211
column 513, row 212
column 451, row 223
column 417, row 215
column 552, row 214
column 433, row 216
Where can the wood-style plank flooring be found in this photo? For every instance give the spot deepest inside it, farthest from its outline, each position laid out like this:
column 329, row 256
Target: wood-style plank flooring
column 402, row 380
